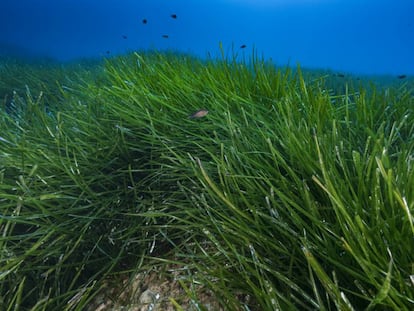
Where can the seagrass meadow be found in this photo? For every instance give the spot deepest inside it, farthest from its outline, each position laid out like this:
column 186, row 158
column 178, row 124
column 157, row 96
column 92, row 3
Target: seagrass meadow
column 294, row 192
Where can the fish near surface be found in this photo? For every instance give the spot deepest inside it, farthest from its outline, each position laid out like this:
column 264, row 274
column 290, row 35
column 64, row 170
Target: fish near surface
column 198, row 114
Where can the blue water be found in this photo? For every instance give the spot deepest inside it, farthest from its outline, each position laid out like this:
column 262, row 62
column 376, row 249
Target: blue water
column 357, row 36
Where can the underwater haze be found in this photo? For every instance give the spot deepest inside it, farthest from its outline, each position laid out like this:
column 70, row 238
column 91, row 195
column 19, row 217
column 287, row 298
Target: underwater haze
column 357, row 36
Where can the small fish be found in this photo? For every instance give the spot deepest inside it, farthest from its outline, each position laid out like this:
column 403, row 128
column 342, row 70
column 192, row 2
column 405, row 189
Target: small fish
column 341, row 75
column 198, row 114
column 165, row 36
column 144, row 21
column 124, row 36
column 174, row 16
column 243, row 46
column 402, row 76
column 108, row 52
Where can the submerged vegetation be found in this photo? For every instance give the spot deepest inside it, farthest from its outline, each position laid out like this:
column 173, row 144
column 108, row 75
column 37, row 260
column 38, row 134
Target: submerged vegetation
column 295, row 191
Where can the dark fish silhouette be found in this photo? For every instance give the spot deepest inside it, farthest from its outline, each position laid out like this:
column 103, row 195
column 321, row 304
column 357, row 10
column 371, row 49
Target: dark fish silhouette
column 108, row 52
column 243, row 46
column 198, row 114
column 174, row 16
column 144, row 21
column 402, row 76
column 341, row 75
column 125, row 37
column 165, row 36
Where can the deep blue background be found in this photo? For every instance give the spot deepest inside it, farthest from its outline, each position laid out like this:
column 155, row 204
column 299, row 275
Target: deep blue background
column 359, row 36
